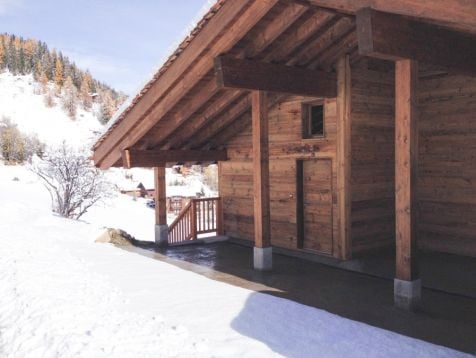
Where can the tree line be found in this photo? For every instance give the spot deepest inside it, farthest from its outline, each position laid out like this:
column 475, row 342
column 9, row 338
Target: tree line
column 58, row 76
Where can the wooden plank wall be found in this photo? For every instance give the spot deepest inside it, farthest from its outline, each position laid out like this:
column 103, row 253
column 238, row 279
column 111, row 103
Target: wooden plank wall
column 446, row 186
column 286, row 146
column 373, row 155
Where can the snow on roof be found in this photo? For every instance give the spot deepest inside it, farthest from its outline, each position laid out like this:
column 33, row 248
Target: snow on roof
column 210, row 8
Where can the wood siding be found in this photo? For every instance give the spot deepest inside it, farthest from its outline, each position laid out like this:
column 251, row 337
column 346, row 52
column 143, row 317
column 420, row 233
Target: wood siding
column 446, row 187
column 373, row 156
column 286, row 146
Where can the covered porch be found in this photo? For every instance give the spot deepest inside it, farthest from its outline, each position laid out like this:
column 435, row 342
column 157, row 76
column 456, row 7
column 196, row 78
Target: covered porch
column 237, row 98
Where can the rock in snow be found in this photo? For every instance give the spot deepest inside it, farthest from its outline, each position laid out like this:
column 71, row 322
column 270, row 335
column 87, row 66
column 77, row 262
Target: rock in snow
column 115, row 236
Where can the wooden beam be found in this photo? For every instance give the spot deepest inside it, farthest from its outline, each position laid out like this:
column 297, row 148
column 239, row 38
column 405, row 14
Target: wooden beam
column 311, row 28
column 394, row 37
column 344, row 248
column 198, row 122
column 331, row 33
column 208, row 132
column 459, row 14
column 186, row 123
column 262, row 76
column 406, row 163
column 276, row 27
column 138, row 158
column 261, row 169
column 160, row 196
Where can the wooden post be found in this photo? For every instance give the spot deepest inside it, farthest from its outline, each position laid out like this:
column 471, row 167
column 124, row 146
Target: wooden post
column 219, row 217
column 161, row 228
column 343, row 164
column 193, row 215
column 407, row 283
column 262, row 250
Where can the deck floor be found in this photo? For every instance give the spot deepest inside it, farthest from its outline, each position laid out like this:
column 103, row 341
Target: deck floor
column 444, row 318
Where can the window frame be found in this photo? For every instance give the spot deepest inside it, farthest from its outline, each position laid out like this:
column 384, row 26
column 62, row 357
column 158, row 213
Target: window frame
column 307, row 120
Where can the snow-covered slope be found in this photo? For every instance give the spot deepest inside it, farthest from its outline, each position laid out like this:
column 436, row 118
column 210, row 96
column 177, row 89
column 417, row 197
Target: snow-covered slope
column 20, row 102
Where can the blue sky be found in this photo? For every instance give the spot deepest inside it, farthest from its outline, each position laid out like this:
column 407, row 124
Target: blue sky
column 120, row 41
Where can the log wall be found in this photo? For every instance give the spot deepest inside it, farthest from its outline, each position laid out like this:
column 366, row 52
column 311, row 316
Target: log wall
column 446, row 178
column 286, row 146
column 373, row 156
column 446, row 186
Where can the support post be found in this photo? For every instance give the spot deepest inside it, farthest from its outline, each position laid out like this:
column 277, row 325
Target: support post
column 262, row 254
column 161, row 227
column 343, row 164
column 407, row 287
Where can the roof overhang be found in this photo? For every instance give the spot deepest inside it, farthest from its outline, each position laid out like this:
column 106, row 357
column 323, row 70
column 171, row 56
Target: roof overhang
column 184, row 107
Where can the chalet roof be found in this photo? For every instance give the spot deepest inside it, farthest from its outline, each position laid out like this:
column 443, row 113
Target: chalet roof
column 182, row 99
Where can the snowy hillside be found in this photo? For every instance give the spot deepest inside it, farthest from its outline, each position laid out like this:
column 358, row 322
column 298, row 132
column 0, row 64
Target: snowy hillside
column 20, row 102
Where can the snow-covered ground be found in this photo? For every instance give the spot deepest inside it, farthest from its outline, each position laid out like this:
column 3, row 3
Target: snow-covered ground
column 62, row 295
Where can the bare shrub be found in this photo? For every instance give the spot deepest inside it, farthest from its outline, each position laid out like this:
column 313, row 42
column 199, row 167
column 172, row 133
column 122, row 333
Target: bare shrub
column 15, row 146
column 210, row 177
column 74, row 184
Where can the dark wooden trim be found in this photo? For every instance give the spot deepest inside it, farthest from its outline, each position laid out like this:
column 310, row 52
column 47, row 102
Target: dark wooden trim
column 299, row 204
column 263, row 76
column 395, row 37
column 406, row 164
column 138, row 158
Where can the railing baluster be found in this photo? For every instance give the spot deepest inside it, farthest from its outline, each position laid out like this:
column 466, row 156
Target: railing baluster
column 199, row 216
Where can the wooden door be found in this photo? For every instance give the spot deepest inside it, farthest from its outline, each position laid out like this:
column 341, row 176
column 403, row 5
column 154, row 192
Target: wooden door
column 315, row 205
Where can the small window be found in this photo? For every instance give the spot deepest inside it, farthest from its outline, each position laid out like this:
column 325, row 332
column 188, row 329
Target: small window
column 313, row 120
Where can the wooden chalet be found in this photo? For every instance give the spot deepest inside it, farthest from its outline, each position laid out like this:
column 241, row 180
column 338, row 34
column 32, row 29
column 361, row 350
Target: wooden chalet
column 340, row 127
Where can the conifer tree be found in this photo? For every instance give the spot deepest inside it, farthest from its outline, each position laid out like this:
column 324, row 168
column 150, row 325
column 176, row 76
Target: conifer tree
column 43, row 82
column 49, row 97
column 29, row 56
column 84, row 92
column 2, row 54
column 12, row 58
column 70, row 95
column 58, row 73
column 107, row 108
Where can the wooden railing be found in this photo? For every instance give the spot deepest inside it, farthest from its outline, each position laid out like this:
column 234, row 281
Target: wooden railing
column 199, row 216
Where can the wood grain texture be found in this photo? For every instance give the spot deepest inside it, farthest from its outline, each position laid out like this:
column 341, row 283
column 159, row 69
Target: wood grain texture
column 394, row 37
column 160, row 196
column 372, row 156
column 457, row 14
column 286, row 149
column 343, row 161
column 260, row 135
column 137, row 158
column 406, row 163
column 258, row 75
column 446, row 186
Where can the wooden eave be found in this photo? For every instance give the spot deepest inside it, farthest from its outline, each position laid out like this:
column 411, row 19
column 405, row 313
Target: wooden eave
column 185, row 108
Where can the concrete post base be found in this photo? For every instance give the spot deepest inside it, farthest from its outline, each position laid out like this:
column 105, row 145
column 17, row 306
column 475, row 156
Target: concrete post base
column 161, row 235
column 407, row 294
column 263, row 258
